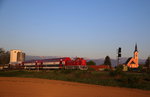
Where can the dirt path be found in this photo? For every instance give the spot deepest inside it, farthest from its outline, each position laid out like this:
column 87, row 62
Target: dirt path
column 32, row 87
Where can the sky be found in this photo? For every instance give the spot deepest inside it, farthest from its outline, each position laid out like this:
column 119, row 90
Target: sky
column 83, row 28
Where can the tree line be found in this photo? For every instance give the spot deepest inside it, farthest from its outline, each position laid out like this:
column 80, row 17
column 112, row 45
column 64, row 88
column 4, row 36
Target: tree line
column 4, row 56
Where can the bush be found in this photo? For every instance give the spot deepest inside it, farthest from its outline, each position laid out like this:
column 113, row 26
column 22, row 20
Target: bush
column 107, row 69
column 140, row 68
column 90, row 69
column 91, row 63
column 148, row 71
column 117, row 71
column 65, row 71
column 128, row 79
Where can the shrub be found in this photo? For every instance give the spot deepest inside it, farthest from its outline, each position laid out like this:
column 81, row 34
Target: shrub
column 107, row 69
column 117, row 71
column 90, row 68
column 128, row 79
column 65, row 71
column 140, row 68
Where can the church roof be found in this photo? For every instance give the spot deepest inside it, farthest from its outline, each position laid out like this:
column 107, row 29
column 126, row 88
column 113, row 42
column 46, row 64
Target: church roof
column 132, row 62
column 128, row 60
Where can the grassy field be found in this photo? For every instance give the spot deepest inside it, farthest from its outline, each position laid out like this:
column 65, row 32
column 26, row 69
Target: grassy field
column 109, row 78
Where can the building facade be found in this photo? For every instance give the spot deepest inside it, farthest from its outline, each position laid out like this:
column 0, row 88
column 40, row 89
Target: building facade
column 16, row 56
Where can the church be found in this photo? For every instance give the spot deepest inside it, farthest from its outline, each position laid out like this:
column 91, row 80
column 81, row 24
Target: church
column 133, row 61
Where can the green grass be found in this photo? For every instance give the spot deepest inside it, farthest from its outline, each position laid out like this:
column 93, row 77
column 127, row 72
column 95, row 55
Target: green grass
column 130, row 80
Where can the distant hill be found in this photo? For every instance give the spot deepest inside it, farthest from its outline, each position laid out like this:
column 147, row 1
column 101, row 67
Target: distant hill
column 97, row 61
column 114, row 61
column 28, row 57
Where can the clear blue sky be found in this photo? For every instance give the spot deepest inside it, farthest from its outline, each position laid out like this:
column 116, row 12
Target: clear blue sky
column 84, row 28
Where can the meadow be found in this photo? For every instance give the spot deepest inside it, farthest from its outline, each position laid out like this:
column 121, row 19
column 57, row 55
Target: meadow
column 105, row 78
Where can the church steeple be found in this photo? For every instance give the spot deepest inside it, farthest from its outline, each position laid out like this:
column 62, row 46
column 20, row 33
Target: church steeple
column 133, row 62
column 136, row 54
column 136, row 48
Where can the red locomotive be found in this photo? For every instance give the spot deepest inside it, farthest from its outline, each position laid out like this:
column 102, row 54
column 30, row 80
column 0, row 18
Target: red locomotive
column 56, row 63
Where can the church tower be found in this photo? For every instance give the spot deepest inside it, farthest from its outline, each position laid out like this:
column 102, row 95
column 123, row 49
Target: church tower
column 133, row 61
column 136, row 55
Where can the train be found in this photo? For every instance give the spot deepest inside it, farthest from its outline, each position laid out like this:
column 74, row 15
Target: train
column 55, row 63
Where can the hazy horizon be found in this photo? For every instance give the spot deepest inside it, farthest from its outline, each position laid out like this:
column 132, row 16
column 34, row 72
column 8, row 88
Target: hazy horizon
column 84, row 28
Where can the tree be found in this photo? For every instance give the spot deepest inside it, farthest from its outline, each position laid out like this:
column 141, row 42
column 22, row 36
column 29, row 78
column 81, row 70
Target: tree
column 2, row 51
column 147, row 62
column 4, row 56
column 107, row 61
column 91, row 63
